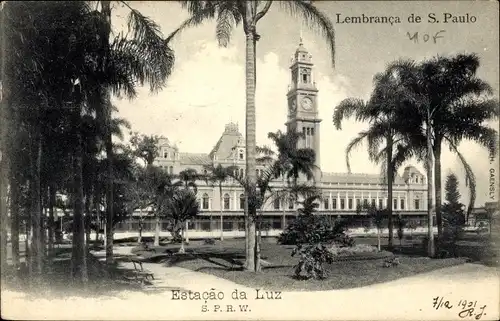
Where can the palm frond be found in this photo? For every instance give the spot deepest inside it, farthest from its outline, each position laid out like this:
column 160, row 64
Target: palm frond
column 469, row 176
column 354, row 143
column 348, row 108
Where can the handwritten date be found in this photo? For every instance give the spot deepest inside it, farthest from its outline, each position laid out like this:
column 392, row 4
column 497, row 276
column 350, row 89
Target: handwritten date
column 467, row 309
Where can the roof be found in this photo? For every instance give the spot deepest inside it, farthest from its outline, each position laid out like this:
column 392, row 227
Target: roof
column 357, row 178
column 194, row 158
column 231, row 138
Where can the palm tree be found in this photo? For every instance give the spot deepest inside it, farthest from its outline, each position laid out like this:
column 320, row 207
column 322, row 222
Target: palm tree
column 229, row 14
column 217, row 175
column 450, row 103
column 459, row 104
column 289, row 162
column 189, row 176
column 387, row 100
column 181, row 207
column 136, row 58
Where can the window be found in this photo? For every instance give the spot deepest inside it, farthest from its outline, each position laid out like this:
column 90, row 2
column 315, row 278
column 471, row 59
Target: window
column 308, row 131
column 241, row 172
column 365, row 203
column 165, row 154
column 276, row 204
column 242, row 201
column 171, row 169
column 358, row 203
column 312, row 131
column 290, row 204
column 402, row 204
column 350, row 203
column 303, row 130
column 241, row 155
column 394, row 203
column 342, row 204
column 334, row 203
column 326, row 203
column 227, row 202
column 417, row 204
column 373, row 202
column 380, row 203
column 205, row 201
column 304, row 76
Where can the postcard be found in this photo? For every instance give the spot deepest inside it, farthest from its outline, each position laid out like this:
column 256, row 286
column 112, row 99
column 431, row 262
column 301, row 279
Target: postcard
column 249, row 160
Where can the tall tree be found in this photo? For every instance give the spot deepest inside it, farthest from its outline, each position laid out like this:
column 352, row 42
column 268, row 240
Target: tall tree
column 181, row 207
column 387, row 100
column 145, row 147
column 452, row 104
column 229, row 14
column 145, row 58
column 452, row 194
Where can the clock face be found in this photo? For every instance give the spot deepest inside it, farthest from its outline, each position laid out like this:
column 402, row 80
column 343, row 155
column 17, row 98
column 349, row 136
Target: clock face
column 307, row 103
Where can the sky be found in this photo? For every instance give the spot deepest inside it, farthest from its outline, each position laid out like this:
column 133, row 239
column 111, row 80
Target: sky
column 207, row 87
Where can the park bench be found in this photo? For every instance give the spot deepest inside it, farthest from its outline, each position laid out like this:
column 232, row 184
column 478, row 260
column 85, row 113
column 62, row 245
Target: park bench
column 139, row 274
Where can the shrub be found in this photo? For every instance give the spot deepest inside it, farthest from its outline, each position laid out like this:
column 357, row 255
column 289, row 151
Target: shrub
column 313, row 229
column 208, row 241
column 391, row 262
column 312, row 258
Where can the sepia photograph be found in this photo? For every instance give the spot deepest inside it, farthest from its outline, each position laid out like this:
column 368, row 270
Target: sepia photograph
column 249, row 160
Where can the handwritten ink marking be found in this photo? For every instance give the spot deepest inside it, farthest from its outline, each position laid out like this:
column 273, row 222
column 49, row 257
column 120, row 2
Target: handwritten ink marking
column 439, row 302
column 467, row 309
column 425, row 37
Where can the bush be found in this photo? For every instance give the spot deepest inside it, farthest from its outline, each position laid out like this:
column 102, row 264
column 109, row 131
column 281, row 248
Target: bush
column 208, row 241
column 391, row 262
column 313, row 229
column 345, row 251
column 312, row 258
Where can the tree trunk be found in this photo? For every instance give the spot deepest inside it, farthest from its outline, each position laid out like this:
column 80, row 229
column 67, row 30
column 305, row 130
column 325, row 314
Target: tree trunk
column 390, row 174
column 182, row 250
column 52, row 202
column 430, row 234
column 3, row 213
column 97, row 209
column 108, row 141
column 139, row 239
column 157, row 231
column 14, row 218
column 36, row 215
column 221, row 217
column 437, row 184
column 378, row 239
column 258, row 267
column 88, row 220
column 78, row 259
column 250, row 133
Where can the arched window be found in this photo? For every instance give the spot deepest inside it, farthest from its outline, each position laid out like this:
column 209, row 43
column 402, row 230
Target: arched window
column 277, row 204
column 205, row 201
column 227, row 201
column 242, row 201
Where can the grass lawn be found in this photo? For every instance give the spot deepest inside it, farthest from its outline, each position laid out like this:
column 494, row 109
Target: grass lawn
column 225, row 259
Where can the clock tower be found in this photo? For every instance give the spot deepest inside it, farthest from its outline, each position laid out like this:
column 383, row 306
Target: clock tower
column 302, row 99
